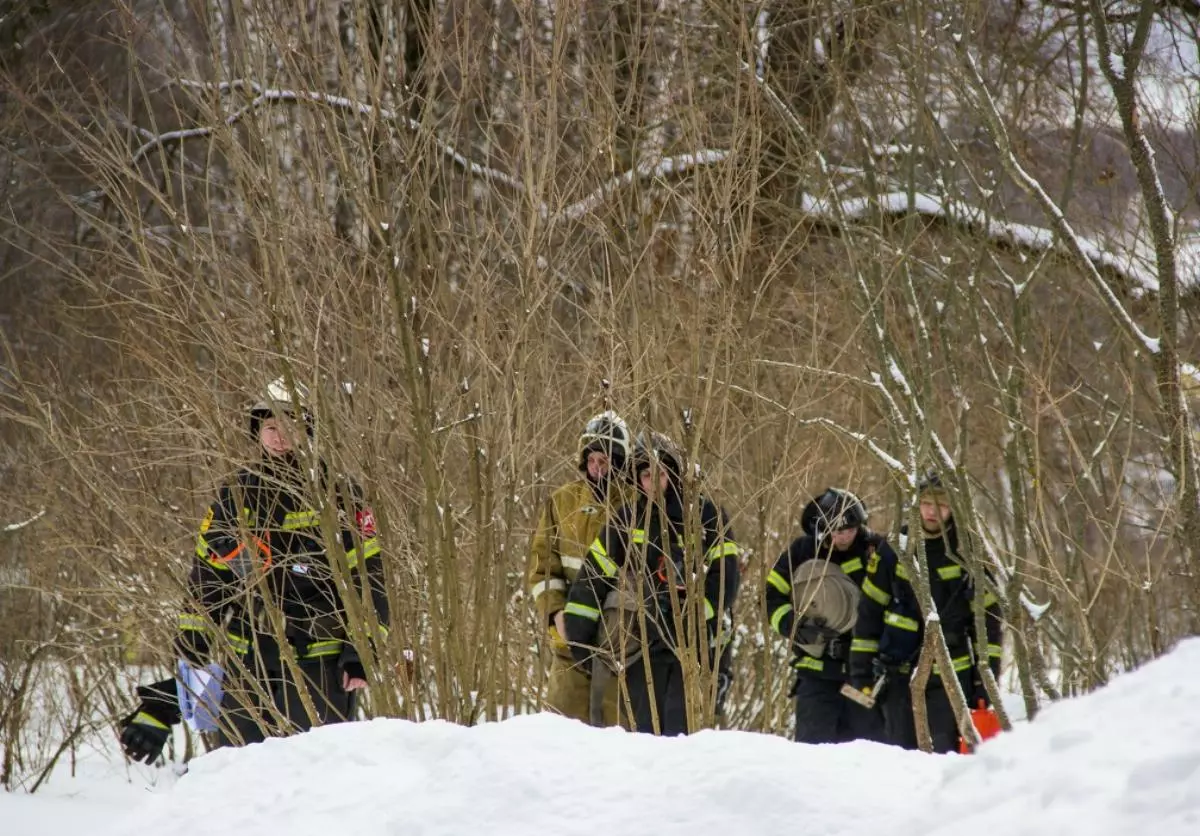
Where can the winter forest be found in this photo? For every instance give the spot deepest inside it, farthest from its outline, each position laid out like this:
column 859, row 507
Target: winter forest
column 816, row 242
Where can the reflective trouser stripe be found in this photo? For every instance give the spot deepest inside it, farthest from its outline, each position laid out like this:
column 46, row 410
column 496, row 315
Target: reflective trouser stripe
column 864, row 646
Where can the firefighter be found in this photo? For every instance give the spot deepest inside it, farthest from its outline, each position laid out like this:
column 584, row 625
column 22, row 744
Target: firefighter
column 268, row 602
column 889, row 632
column 642, row 558
column 571, row 519
column 812, row 601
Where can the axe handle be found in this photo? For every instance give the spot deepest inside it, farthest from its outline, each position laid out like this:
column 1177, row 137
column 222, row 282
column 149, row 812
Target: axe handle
column 865, row 700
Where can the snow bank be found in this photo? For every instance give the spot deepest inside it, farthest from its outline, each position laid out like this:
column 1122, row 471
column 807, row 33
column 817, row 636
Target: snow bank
column 529, row 775
column 1125, row 760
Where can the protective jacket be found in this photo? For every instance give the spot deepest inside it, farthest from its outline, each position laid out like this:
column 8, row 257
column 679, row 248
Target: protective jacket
column 890, row 625
column 648, row 539
column 571, row 520
column 262, row 566
column 781, row 593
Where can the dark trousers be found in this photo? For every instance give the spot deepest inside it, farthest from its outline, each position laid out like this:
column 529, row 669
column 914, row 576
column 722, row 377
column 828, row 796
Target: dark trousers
column 899, row 726
column 823, row 715
column 664, row 693
column 247, row 718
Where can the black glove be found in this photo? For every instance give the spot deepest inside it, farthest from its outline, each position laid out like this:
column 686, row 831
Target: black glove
column 837, row 649
column 813, row 630
column 882, row 665
column 145, row 732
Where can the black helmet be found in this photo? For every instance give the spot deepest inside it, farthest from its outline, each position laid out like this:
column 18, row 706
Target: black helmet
column 277, row 401
column 931, row 484
column 605, row 433
column 656, row 447
column 833, row 510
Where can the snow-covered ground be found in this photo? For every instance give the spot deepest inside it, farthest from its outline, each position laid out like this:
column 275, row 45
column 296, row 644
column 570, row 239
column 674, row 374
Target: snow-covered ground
column 1124, row 760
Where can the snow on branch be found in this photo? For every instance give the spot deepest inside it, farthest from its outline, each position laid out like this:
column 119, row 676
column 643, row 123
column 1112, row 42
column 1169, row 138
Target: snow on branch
column 1082, row 249
column 659, row 168
column 1019, row 235
column 17, row 526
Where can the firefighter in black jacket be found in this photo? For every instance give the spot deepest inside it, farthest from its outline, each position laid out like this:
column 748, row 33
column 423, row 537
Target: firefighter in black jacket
column 262, row 573
column 815, row 612
column 890, row 629
column 643, row 549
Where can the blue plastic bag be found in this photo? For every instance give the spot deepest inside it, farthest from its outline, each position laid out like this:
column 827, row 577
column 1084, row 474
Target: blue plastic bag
column 200, row 692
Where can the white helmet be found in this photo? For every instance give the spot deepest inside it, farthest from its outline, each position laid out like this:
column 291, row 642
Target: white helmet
column 605, row 433
column 278, row 400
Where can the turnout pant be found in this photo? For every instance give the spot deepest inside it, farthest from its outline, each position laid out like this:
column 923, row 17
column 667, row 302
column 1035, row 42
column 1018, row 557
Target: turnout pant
column 823, row 715
column 246, row 717
column 568, row 692
column 901, row 729
column 663, row 694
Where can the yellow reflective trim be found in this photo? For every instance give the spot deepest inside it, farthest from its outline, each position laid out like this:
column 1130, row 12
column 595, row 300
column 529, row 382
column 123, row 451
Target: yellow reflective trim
column 583, row 611
column 369, row 548
column 726, row 549
column 637, row 536
column 875, row 593
column 601, row 557
column 900, row 621
column 989, row 599
column 961, row 663
column 809, row 663
column 709, row 610
column 901, row 572
column 949, row 573
column 205, row 553
column 778, row 615
column 995, row 651
column 296, row 520
column 329, row 647
column 864, row 646
column 145, row 719
column 240, row 644
column 854, row 564
column 193, row 622
column 779, row 582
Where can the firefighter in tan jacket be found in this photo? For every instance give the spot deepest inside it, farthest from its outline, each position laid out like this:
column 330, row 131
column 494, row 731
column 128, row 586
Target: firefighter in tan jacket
column 571, row 520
